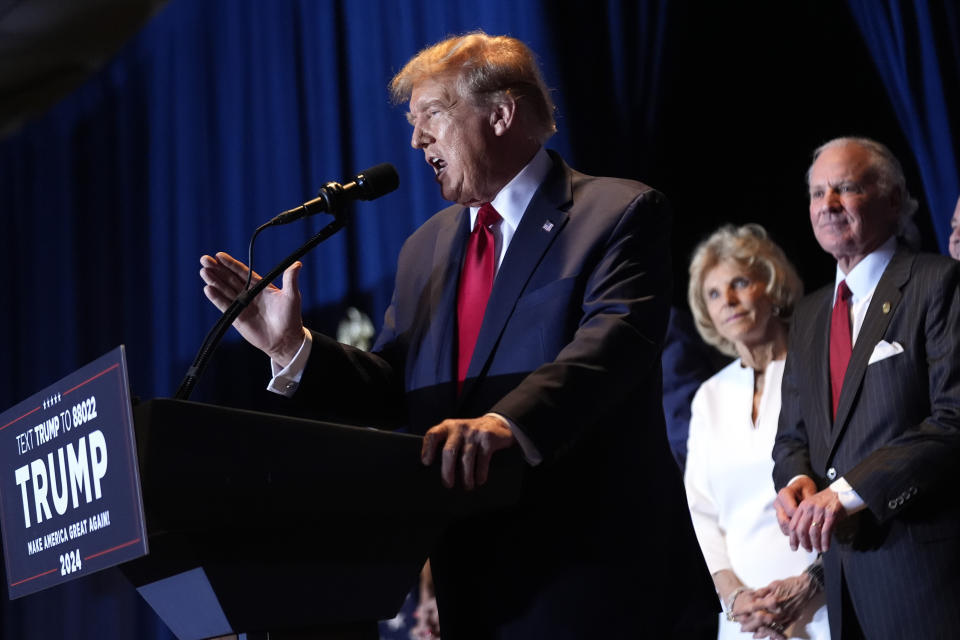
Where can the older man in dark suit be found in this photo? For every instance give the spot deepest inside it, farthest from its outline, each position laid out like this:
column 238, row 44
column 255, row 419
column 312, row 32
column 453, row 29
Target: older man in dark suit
column 869, row 434
column 529, row 315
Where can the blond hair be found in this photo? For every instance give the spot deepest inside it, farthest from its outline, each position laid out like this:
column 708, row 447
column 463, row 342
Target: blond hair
column 486, row 68
column 750, row 247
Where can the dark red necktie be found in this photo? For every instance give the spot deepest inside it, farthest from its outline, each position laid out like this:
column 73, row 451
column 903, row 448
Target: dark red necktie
column 476, row 281
column 841, row 344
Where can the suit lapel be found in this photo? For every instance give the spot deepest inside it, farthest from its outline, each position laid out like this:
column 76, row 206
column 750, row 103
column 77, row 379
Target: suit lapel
column 448, row 252
column 884, row 303
column 820, row 344
column 543, row 220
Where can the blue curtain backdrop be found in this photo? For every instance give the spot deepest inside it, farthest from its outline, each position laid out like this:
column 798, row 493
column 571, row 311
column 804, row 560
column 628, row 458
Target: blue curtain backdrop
column 221, row 113
column 916, row 47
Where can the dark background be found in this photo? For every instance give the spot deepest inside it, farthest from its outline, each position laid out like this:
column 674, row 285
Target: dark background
column 218, row 114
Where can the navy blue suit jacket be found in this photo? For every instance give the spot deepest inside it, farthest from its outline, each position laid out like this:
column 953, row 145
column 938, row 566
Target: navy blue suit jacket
column 895, row 439
column 569, row 350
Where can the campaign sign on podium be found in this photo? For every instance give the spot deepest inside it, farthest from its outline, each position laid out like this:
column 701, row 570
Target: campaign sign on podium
column 70, row 501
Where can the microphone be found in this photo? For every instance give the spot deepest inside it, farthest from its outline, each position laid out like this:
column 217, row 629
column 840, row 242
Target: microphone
column 376, row 181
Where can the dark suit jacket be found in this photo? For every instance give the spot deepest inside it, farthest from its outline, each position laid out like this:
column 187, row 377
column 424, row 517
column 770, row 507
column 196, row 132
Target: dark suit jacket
column 569, row 350
column 688, row 362
column 896, row 440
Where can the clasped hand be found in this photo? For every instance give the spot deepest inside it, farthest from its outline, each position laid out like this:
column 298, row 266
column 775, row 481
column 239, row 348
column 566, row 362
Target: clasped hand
column 750, row 611
column 768, row 612
column 807, row 516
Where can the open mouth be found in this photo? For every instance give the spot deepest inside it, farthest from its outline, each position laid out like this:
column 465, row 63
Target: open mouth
column 438, row 165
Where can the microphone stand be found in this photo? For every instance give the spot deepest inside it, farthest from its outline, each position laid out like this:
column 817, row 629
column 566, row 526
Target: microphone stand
column 242, row 302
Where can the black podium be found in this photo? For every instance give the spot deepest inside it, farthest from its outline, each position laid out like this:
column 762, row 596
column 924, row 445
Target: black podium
column 262, row 523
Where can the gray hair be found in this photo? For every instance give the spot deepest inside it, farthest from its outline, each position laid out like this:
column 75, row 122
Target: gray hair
column 750, row 247
column 486, row 68
column 890, row 178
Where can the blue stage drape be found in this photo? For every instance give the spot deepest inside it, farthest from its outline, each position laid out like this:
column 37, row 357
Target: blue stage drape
column 221, row 113
column 916, row 47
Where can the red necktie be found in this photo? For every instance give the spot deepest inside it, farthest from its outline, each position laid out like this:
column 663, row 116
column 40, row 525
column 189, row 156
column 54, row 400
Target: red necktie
column 841, row 345
column 476, row 281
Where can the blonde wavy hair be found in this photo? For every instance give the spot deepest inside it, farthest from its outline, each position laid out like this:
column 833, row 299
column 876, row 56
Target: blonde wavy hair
column 750, row 247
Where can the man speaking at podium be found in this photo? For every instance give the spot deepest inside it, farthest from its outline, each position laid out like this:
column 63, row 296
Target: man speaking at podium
column 528, row 315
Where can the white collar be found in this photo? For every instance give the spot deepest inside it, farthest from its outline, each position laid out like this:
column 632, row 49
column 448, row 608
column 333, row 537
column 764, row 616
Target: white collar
column 514, row 198
column 863, row 278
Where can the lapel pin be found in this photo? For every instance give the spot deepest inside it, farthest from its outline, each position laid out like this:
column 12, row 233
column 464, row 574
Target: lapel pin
column 548, row 226
column 886, row 307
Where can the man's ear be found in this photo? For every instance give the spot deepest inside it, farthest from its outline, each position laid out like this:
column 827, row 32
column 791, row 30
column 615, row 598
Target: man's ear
column 503, row 114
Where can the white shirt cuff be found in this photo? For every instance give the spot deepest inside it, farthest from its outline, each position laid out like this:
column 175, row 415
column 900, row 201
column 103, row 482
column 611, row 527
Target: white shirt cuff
column 794, row 478
column 850, row 499
column 286, row 381
column 530, row 452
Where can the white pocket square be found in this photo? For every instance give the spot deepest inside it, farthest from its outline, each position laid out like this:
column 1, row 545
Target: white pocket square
column 883, row 350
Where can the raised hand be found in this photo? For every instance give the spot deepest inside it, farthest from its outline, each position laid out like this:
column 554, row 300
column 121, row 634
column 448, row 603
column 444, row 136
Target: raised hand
column 273, row 322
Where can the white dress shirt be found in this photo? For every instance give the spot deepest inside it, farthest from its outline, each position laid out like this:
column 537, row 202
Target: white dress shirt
column 862, row 282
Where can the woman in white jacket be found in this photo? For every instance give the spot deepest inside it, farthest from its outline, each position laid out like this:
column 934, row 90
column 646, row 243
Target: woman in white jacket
column 742, row 289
